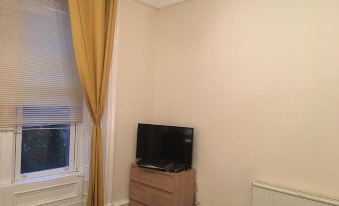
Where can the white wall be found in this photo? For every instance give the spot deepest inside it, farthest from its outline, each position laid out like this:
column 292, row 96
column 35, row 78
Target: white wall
column 136, row 47
column 258, row 80
column 65, row 191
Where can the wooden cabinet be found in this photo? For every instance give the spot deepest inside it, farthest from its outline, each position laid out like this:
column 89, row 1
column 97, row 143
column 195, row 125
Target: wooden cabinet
column 154, row 188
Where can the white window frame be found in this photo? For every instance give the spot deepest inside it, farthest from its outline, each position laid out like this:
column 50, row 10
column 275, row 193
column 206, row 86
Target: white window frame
column 72, row 158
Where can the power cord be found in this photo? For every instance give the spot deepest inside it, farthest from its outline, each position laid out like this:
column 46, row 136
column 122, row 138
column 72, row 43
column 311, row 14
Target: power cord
column 195, row 200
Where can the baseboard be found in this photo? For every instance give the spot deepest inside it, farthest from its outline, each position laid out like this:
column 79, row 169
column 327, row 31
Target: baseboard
column 77, row 203
column 117, row 203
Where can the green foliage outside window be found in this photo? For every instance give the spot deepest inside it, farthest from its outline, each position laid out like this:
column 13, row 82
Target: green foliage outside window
column 45, row 148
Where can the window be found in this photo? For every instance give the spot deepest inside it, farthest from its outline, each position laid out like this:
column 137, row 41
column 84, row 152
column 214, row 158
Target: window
column 44, row 150
column 40, row 91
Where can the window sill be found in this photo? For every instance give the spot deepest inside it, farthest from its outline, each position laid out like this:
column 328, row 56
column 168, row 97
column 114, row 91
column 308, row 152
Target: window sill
column 6, row 129
column 44, row 179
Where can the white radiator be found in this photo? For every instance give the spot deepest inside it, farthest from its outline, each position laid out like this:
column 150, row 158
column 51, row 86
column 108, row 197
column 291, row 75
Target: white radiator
column 269, row 195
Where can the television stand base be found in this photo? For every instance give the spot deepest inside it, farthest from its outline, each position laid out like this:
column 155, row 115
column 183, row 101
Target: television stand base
column 161, row 165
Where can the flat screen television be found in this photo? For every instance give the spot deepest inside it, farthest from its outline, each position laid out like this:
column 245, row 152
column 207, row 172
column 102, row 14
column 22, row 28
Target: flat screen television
column 160, row 142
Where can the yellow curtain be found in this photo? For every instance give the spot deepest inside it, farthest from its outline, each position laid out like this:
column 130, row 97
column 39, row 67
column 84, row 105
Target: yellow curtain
column 93, row 25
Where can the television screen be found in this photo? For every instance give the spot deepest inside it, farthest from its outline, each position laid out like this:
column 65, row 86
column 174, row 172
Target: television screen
column 159, row 142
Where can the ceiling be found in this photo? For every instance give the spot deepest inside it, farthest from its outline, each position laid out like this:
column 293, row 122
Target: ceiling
column 160, row 4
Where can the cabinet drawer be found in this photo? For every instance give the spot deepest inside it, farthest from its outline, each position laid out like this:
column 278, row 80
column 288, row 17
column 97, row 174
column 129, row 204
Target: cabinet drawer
column 150, row 196
column 156, row 179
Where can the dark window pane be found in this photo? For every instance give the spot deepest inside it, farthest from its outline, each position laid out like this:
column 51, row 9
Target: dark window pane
column 45, row 148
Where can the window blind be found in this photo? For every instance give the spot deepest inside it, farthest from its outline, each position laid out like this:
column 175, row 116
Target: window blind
column 38, row 79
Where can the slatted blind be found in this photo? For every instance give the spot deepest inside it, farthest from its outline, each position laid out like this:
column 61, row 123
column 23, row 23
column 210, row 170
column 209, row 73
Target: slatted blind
column 38, row 79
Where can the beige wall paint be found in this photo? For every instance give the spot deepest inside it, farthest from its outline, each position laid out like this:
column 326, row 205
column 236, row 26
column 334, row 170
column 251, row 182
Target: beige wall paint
column 259, row 81
column 136, row 34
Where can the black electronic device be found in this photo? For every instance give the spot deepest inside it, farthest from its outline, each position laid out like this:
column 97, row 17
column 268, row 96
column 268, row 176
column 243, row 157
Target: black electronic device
column 161, row 165
column 178, row 168
column 162, row 147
